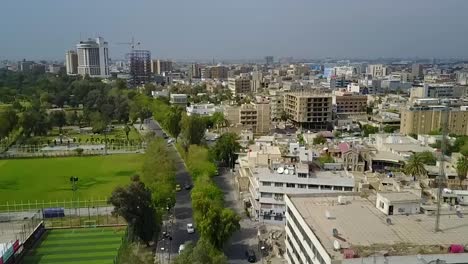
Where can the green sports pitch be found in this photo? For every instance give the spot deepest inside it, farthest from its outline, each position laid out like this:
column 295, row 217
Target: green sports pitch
column 73, row 246
column 48, row 179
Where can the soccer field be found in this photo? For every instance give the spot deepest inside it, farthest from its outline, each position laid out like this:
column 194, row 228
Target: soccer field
column 49, row 178
column 88, row 245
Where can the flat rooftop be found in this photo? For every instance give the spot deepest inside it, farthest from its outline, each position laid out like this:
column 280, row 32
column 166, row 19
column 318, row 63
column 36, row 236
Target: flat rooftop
column 364, row 227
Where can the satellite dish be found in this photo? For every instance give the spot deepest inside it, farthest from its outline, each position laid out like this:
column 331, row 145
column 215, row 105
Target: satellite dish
column 291, row 172
column 280, row 170
column 286, row 171
column 389, row 221
column 336, row 245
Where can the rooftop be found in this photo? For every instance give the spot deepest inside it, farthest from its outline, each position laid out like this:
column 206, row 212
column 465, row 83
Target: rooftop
column 400, row 196
column 364, row 228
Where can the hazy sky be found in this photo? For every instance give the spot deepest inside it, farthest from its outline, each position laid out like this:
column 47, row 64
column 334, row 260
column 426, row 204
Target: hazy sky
column 200, row 29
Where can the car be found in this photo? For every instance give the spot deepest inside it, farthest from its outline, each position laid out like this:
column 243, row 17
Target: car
column 190, row 228
column 169, row 141
column 177, row 188
column 187, row 186
column 250, row 254
column 181, row 248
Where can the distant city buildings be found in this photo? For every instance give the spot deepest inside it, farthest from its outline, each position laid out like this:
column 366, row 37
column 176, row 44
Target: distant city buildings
column 309, row 110
column 93, row 58
column 377, row 70
column 269, row 60
column 139, row 62
column 240, row 85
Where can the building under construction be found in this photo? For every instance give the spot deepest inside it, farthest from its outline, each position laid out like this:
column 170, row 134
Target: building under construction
column 140, row 67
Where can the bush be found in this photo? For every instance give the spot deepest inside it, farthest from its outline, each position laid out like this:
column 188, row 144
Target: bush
column 79, row 151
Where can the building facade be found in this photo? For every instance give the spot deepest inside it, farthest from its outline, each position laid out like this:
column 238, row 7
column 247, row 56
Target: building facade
column 349, row 102
column 309, row 110
column 71, row 62
column 139, row 62
column 239, row 85
column 377, row 70
column 93, row 58
column 424, row 119
column 161, row 66
column 215, row 72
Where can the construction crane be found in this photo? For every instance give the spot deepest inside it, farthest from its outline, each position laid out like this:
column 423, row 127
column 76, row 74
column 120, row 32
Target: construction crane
column 132, row 44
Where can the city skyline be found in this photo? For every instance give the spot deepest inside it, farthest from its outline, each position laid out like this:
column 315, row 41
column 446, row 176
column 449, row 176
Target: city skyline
column 229, row 30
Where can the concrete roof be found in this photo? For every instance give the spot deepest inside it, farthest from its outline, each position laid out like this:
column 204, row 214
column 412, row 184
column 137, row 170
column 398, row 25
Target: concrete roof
column 364, row 227
column 386, row 155
column 400, row 196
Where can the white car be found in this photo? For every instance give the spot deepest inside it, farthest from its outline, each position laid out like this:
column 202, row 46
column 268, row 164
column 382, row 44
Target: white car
column 181, row 248
column 169, row 141
column 190, row 228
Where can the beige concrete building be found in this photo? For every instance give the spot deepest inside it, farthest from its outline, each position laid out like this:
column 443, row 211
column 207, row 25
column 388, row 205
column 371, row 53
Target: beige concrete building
column 255, row 116
column 424, row 119
column 347, row 102
column 377, row 70
column 161, row 66
column 239, row 85
column 215, row 72
column 309, row 110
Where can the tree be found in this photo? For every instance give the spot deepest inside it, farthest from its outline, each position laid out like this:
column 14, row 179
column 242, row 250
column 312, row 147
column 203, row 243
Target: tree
column 319, row 139
column 389, row 129
column 368, row 129
column 58, row 119
column 34, row 121
column 8, row 121
column 326, row 158
column 127, row 130
column 219, row 120
column 284, row 116
column 427, row 157
column 462, row 168
column 98, row 122
column 226, row 148
column 193, row 129
column 218, row 225
column 172, row 122
column 415, row 166
column 135, row 205
column 201, row 253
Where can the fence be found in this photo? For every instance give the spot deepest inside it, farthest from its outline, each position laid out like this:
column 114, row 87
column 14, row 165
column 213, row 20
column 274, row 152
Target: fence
column 25, row 151
column 76, row 213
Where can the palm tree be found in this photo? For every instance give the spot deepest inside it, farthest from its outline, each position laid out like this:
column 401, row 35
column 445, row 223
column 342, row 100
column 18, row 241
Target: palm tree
column 415, row 166
column 462, row 168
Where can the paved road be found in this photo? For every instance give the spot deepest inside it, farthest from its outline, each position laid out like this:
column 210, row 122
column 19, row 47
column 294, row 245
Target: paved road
column 183, row 208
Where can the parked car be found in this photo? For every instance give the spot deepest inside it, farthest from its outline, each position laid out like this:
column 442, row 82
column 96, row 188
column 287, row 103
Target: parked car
column 187, row 186
column 181, row 248
column 250, row 254
column 170, row 141
column 190, row 228
column 177, row 188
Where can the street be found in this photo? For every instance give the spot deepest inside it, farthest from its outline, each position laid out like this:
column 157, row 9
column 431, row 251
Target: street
column 183, row 207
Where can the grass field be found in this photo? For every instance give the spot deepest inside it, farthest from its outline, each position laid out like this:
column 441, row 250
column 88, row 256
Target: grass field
column 67, row 246
column 49, row 178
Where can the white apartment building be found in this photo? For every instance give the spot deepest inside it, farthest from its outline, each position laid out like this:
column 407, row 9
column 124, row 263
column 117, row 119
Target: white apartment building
column 179, row 99
column 439, row 90
column 377, row 70
column 202, row 109
column 346, row 228
column 270, row 178
column 93, row 58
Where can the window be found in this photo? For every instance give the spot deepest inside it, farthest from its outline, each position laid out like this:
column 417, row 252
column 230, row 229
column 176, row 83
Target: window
column 302, row 186
column 279, row 196
column 278, row 184
column 382, row 205
column 302, row 175
column 290, row 185
column 401, row 210
column 326, row 187
column 348, row 189
column 312, row 186
column 266, row 183
column 266, row 195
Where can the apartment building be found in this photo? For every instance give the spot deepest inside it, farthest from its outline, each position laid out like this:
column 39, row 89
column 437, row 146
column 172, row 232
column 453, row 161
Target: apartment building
column 276, row 105
column 377, row 70
column 202, row 109
column 346, row 228
column 179, row 99
column 309, row 110
column 424, row 119
column 239, row 85
column 255, row 116
column 161, row 66
column 347, row 102
column 271, row 178
column 439, row 90
column 93, row 58
column 215, row 72
column 71, row 62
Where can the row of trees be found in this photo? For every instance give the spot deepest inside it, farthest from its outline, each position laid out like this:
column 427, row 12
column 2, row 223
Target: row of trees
column 143, row 202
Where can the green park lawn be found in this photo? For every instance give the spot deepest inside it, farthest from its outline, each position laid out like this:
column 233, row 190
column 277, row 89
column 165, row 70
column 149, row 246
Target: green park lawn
column 91, row 246
column 49, row 178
